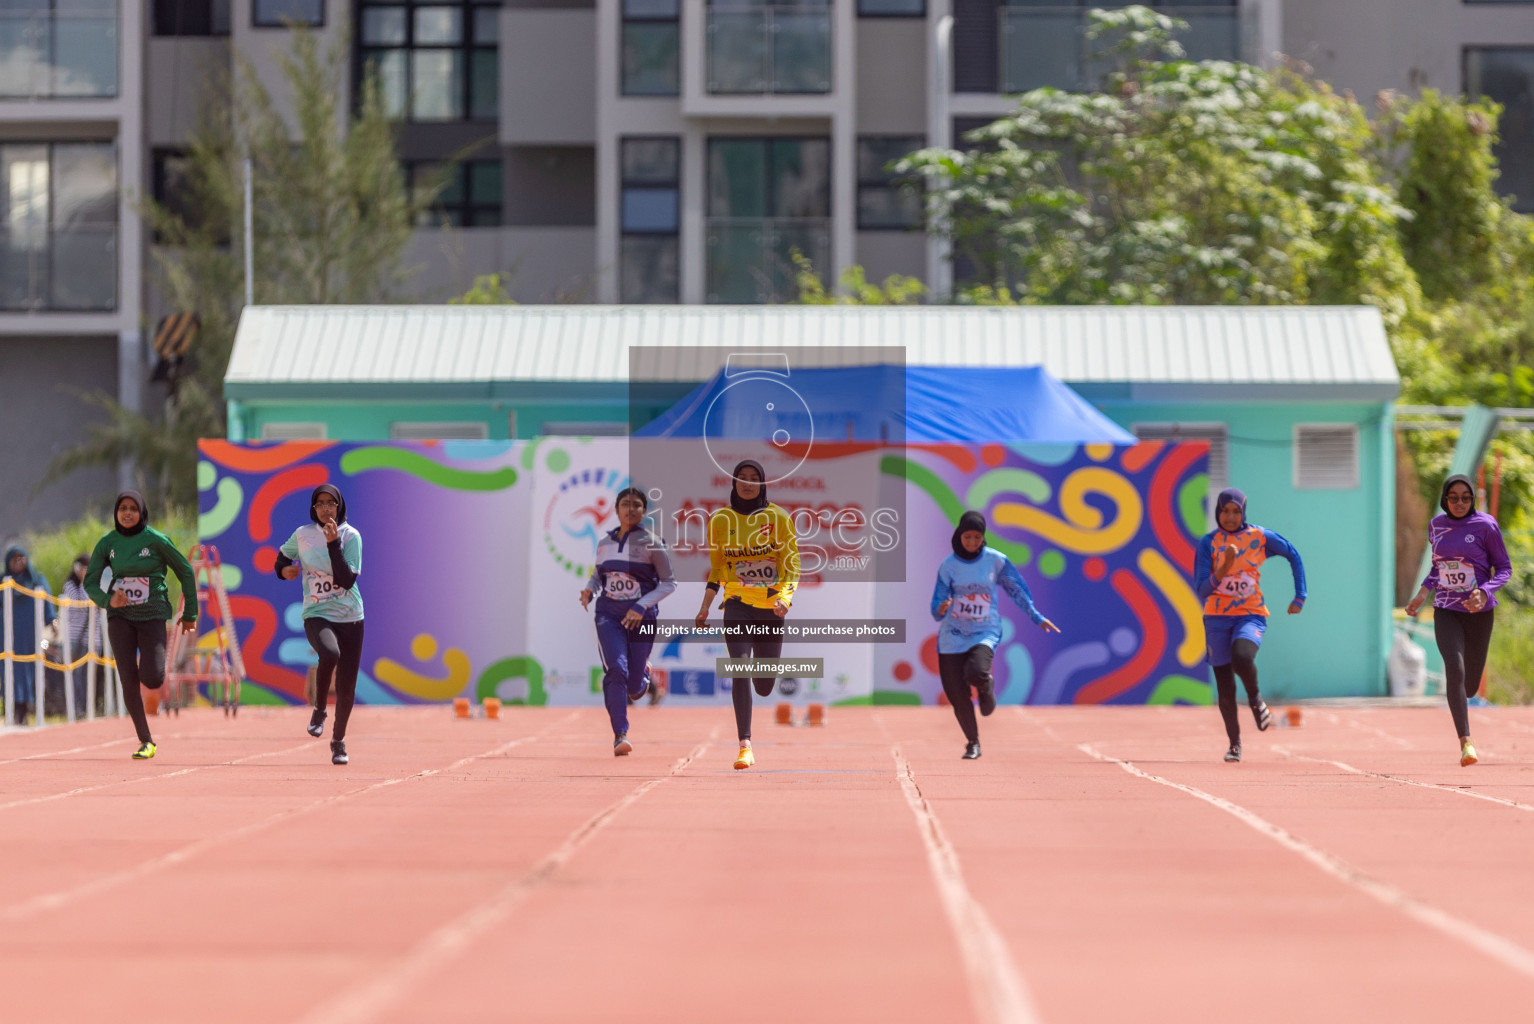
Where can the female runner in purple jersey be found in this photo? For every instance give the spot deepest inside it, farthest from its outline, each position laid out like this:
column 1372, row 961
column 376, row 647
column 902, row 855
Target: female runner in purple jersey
column 1470, row 565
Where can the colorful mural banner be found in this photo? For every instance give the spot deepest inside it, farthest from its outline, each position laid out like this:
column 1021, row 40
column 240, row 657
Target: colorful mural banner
column 474, row 554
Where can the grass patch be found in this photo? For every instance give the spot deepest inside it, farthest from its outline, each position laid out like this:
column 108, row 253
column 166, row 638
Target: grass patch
column 1510, row 669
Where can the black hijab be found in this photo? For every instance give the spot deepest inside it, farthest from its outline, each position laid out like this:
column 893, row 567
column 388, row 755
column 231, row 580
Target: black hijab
column 335, row 493
column 971, row 520
column 143, row 513
column 757, row 503
column 1443, row 495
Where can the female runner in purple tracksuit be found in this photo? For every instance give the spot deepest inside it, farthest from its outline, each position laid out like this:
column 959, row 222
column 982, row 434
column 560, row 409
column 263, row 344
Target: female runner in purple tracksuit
column 1470, row 565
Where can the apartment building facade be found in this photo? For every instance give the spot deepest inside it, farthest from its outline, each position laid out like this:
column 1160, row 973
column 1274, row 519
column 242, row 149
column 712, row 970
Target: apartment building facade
column 612, row 150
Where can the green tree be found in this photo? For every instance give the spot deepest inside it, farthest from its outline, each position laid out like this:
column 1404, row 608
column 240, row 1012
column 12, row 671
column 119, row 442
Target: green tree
column 331, row 217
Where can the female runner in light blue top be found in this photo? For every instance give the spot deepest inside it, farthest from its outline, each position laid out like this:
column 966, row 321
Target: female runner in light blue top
column 965, row 602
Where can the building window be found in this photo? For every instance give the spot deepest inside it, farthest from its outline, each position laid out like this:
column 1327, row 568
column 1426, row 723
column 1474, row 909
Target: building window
column 292, row 431
column 286, row 13
column 651, row 220
column 892, row 8
column 652, row 48
column 58, row 226
column 760, row 47
column 1045, row 44
column 884, row 204
column 58, row 49
column 191, row 17
column 434, row 61
column 470, row 195
column 767, row 198
column 1506, row 74
column 1325, row 456
column 444, row 430
column 1218, row 437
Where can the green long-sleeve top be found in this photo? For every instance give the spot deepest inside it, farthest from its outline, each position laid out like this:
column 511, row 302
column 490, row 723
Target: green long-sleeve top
column 138, row 562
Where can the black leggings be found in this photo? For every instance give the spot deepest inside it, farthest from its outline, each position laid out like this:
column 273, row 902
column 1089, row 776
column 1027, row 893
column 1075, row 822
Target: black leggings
column 138, row 646
column 1463, row 640
column 769, row 646
column 1243, row 663
column 959, row 672
column 339, row 645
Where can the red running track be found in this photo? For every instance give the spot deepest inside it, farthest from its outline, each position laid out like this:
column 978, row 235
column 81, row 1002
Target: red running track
column 1098, row 864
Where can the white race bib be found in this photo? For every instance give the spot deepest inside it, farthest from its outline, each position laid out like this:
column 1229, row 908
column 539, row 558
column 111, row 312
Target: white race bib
column 1456, row 576
column 1238, row 585
column 971, row 608
column 759, row 572
column 320, row 586
column 621, row 587
column 134, row 588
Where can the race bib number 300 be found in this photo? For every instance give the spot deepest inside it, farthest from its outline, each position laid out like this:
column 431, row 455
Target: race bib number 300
column 622, row 587
column 1238, row 585
column 971, row 607
column 1456, row 575
column 320, row 586
column 134, row 588
column 760, row 572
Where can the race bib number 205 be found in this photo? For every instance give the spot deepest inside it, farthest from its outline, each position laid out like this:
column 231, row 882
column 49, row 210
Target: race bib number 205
column 320, row 586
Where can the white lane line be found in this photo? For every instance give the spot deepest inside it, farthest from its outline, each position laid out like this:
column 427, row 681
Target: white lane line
column 1354, row 723
column 64, row 897
column 367, row 1000
column 1503, row 950
column 74, row 750
column 1000, row 995
column 29, row 801
column 1405, row 782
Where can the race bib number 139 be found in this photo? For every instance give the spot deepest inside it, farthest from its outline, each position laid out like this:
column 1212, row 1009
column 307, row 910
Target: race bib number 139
column 1456, row 575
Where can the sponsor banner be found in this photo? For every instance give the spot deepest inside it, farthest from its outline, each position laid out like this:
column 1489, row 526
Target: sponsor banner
column 474, row 555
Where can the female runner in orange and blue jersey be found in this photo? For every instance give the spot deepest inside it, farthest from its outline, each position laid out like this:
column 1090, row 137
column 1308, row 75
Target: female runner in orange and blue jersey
column 1225, row 574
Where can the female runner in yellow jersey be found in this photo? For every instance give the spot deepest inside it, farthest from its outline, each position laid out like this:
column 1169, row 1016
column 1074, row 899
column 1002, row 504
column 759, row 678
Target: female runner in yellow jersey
column 754, row 554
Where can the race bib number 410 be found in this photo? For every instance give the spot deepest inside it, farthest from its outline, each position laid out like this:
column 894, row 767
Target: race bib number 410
column 320, row 586
column 134, row 588
column 1456, row 575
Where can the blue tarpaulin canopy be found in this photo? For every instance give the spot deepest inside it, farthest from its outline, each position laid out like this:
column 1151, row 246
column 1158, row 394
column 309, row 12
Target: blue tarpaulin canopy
column 910, row 404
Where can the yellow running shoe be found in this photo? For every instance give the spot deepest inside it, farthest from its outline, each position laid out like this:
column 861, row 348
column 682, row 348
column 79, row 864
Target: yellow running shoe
column 144, row 753
column 1467, row 754
column 746, row 758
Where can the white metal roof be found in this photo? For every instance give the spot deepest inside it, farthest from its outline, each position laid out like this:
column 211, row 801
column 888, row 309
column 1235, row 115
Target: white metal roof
column 1320, row 347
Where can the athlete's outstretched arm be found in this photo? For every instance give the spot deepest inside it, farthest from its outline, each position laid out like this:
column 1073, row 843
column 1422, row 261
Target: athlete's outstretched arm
column 665, row 581
column 345, row 562
column 1203, row 567
column 1013, row 583
column 941, row 592
column 1496, row 554
column 1277, row 546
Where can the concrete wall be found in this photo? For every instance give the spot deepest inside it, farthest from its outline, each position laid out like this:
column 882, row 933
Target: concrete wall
column 1402, row 44
column 553, row 264
column 40, row 418
column 548, row 81
column 1338, row 645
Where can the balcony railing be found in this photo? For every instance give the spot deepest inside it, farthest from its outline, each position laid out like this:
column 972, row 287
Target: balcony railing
column 59, row 54
column 1048, row 46
column 65, row 270
column 750, row 259
column 759, row 50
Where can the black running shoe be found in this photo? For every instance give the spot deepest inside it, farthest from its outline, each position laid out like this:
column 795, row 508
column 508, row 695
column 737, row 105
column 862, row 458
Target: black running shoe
column 1234, row 753
column 987, row 700
column 317, row 723
column 338, row 752
column 971, row 751
column 1263, row 716
column 621, row 745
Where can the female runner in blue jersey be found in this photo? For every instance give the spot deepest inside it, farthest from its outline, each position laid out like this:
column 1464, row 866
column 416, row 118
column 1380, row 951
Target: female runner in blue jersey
column 631, row 573
column 965, row 602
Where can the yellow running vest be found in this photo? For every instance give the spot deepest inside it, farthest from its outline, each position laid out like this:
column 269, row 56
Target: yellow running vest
column 755, row 557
